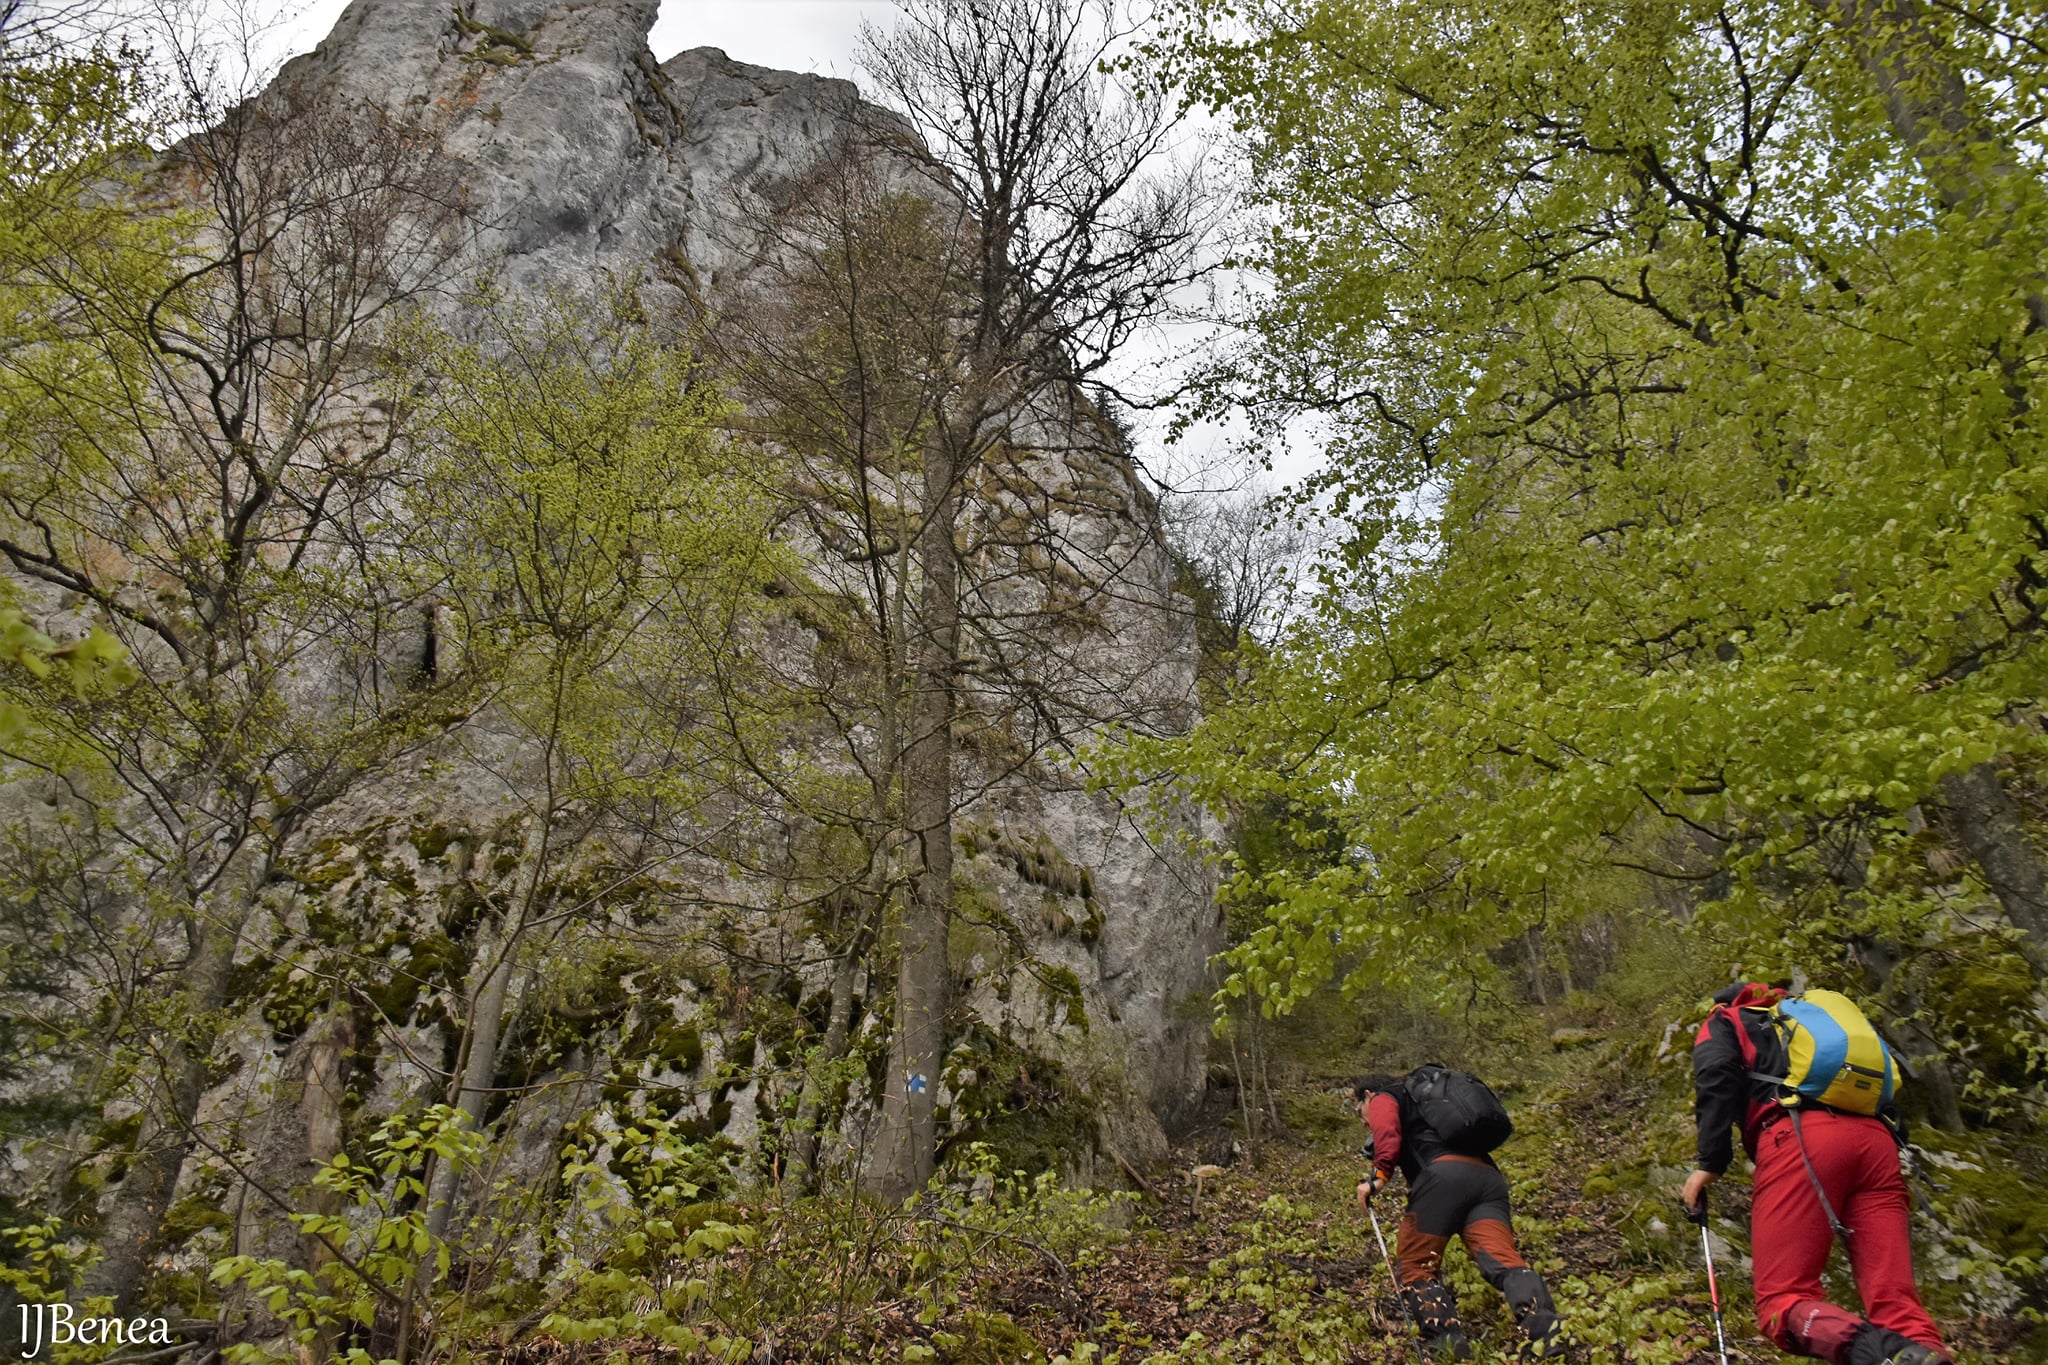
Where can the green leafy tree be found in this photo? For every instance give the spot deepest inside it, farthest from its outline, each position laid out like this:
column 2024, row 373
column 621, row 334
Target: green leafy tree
column 593, row 549
column 71, row 119
column 843, row 348
column 924, row 335
column 1677, row 367
column 1073, row 230
column 84, row 665
column 184, row 468
column 74, row 119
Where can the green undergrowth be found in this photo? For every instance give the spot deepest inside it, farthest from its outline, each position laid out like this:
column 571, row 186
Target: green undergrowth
column 1266, row 1259
column 1277, row 1264
column 645, row 1250
column 1595, row 1165
column 644, row 1261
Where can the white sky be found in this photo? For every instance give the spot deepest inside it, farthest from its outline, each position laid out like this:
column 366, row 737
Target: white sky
column 790, row 35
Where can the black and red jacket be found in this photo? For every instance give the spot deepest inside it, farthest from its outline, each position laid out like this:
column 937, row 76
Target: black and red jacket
column 1726, row 1092
column 1400, row 1138
column 1725, row 1096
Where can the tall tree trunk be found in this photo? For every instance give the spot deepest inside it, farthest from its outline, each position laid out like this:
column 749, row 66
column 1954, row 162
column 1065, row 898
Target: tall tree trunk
column 1533, row 941
column 1929, row 107
column 144, row 1197
column 472, row 1089
column 486, row 1022
column 320, row 1102
column 803, row 1152
column 1984, row 820
column 183, row 1047
column 1972, row 170
column 909, row 1131
column 1944, row 1100
column 1922, row 1049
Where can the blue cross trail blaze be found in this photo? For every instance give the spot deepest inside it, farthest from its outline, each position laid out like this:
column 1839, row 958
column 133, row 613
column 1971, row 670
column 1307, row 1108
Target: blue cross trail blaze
column 916, row 1083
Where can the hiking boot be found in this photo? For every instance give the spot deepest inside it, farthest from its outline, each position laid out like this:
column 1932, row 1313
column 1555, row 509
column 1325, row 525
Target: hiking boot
column 1915, row 1353
column 1550, row 1343
column 1449, row 1346
column 1874, row 1345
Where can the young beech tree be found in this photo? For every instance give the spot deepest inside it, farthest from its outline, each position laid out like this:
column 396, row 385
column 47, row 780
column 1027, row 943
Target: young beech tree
column 933, row 306
column 187, row 468
column 1072, row 232
column 1678, row 362
column 843, row 347
column 592, row 547
column 846, row 346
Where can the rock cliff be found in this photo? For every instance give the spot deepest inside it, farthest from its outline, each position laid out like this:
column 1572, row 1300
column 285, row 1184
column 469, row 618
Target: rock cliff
column 582, row 161
column 583, row 157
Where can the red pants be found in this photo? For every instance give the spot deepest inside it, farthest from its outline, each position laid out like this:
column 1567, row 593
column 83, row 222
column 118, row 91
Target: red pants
column 1858, row 1166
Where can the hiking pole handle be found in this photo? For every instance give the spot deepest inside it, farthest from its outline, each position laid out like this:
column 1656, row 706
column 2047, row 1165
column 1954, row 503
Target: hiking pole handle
column 1696, row 1186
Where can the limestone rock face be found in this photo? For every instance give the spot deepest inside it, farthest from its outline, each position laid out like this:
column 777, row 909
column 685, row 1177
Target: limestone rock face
column 583, row 161
column 585, row 158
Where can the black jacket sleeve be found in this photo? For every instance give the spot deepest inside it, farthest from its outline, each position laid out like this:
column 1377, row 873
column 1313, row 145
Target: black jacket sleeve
column 1719, row 1083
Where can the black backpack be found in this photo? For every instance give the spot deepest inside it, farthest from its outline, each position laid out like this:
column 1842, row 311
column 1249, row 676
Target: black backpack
column 1466, row 1117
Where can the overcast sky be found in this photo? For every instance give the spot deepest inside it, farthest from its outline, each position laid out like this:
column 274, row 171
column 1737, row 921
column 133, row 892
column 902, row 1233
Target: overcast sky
column 790, row 35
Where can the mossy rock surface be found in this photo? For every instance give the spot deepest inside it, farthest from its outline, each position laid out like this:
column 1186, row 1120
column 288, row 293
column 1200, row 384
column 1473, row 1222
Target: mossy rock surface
column 1021, row 1104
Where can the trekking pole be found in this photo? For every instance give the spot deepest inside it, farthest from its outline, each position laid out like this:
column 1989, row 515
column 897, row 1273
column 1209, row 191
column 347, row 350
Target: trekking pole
column 1713, row 1284
column 1399, row 1297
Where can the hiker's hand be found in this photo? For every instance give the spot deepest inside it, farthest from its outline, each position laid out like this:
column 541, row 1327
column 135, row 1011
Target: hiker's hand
column 1369, row 1187
column 1694, row 1196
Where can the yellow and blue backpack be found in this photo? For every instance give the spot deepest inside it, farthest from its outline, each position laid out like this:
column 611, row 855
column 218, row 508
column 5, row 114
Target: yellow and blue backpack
column 1833, row 1057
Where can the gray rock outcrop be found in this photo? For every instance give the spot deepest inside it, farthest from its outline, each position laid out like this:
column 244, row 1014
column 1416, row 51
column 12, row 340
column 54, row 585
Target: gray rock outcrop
column 583, row 158
column 584, row 161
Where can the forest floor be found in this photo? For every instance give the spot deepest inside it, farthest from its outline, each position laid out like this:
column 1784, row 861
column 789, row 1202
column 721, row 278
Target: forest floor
column 1265, row 1256
column 1271, row 1260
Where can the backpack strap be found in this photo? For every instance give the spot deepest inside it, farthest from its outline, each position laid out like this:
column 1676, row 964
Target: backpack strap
column 1834, row 1221
column 1745, row 1046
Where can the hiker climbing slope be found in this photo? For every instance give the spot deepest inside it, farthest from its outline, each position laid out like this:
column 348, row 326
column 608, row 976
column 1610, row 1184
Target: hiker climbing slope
column 1810, row 1084
column 1438, row 1127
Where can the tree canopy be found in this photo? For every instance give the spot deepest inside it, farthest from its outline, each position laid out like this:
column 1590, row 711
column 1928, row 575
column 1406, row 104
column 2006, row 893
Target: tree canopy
column 1677, row 367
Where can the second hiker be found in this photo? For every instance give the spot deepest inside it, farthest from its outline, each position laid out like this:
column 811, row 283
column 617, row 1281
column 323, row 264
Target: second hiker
column 1437, row 1127
column 1809, row 1083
